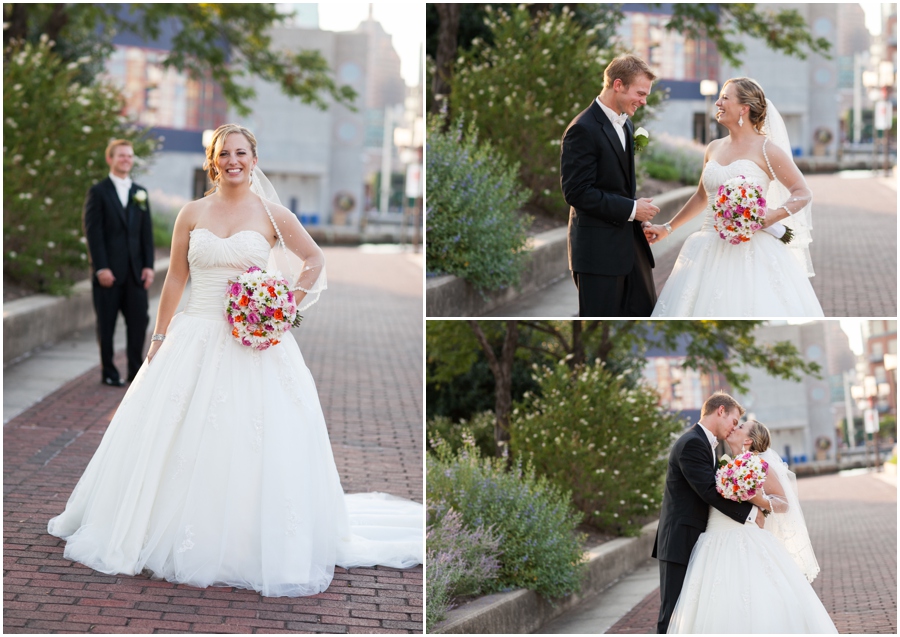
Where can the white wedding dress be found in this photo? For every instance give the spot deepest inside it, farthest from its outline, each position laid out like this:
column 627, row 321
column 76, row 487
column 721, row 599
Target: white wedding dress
column 217, row 468
column 744, row 579
column 759, row 278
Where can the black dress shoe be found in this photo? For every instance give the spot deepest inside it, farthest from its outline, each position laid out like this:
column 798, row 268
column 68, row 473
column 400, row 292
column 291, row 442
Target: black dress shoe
column 114, row 382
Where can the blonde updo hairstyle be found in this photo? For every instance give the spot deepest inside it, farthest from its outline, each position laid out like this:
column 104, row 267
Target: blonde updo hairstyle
column 759, row 436
column 215, row 147
column 750, row 93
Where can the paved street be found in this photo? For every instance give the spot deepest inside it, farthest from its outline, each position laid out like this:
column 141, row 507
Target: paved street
column 363, row 345
column 854, row 252
column 852, row 520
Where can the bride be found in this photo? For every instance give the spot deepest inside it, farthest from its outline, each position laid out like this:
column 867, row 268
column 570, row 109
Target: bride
column 217, row 470
column 744, row 579
column 762, row 277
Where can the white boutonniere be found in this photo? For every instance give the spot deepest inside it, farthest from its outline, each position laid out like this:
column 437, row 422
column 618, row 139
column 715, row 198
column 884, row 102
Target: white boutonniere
column 140, row 198
column 641, row 139
column 724, row 460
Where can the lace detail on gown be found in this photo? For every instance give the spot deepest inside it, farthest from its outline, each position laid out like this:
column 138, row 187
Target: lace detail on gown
column 712, row 278
column 217, row 468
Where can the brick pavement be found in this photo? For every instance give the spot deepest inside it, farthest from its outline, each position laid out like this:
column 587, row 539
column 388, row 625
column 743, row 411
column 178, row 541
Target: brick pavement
column 854, row 248
column 852, row 523
column 363, row 344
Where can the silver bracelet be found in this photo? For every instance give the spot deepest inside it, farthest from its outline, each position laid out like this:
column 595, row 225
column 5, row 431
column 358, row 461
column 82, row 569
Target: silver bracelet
column 668, row 227
column 158, row 337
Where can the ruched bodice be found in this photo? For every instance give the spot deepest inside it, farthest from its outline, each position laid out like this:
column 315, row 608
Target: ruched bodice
column 715, row 174
column 214, row 260
column 718, row 521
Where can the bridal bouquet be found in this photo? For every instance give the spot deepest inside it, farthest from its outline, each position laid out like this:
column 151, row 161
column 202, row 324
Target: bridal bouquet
column 260, row 307
column 740, row 211
column 740, row 478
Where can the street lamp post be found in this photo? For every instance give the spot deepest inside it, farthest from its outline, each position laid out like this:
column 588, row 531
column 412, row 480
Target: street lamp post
column 708, row 88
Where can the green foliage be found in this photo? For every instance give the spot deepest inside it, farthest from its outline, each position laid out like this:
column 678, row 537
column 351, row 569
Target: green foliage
column 784, row 30
column 162, row 230
column 461, row 562
column 515, row 92
column 55, row 132
column 673, row 159
column 480, row 429
column 227, row 41
column 473, row 228
column 605, row 442
column 541, row 549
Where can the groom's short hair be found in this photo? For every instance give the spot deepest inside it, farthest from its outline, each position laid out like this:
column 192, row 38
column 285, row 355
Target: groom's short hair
column 720, row 399
column 111, row 146
column 626, row 68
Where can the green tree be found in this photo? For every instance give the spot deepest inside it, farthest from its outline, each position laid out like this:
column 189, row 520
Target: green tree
column 228, row 42
column 50, row 121
column 723, row 347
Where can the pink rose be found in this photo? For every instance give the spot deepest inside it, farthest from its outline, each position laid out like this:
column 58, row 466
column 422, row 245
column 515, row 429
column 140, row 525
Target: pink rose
column 235, row 289
column 253, row 318
column 254, row 269
column 269, row 311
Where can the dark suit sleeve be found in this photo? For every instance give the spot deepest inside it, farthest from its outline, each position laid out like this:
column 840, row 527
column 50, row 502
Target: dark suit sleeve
column 93, row 228
column 578, row 172
column 147, row 239
column 700, row 474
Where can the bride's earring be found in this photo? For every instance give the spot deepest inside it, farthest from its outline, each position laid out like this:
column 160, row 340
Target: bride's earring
column 741, row 120
column 250, row 181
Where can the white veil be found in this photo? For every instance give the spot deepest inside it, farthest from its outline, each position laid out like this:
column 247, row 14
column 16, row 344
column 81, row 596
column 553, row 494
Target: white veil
column 799, row 222
column 789, row 526
column 302, row 264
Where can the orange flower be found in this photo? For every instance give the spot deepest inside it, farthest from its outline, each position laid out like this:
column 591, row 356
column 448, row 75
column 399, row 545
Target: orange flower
column 279, row 315
column 746, row 214
column 274, row 342
column 723, row 199
column 244, row 302
column 258, row 333
column 238, row 318
column 234, row 332
column 271, row 291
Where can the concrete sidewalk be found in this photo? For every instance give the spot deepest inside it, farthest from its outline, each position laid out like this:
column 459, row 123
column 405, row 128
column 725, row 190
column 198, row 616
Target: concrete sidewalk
column 854, row 252
column 852, row 521
column 363, row 345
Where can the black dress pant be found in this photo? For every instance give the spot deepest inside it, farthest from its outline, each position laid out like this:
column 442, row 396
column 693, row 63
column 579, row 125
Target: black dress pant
column 131, row 299
column 671, row 581
column 632, row 294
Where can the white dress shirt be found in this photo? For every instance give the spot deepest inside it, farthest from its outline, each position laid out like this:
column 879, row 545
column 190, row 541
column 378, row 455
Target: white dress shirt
column 123, row 187
column 618, row 122
column 713, row 442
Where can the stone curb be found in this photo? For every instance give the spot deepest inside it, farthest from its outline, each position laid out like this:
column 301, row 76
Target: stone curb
column 450, row 295
column 39, row 320
column 522, row 611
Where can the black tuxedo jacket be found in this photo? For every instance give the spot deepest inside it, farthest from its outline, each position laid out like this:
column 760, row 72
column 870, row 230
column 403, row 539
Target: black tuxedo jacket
column 690, row 490
column 118, row 238
column 598, row 183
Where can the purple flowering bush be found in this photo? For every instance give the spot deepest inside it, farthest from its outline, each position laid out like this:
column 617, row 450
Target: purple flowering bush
column 460, row 561
column 472, row 226
column 533, row 518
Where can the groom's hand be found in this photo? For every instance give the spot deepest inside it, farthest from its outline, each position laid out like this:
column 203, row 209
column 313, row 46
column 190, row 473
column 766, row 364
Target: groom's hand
column 645, row 210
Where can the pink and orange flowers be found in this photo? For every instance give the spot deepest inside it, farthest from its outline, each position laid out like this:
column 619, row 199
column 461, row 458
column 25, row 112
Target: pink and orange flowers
column 740, row 210
column 260, row 308
column 739, row 479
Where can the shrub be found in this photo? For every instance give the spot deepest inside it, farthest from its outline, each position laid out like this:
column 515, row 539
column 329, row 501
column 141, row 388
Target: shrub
column 535, row 519
column 607, row 443
column 55, row 132
column 472, row 224
column 480, row 429
column 673, row 159
column 460, row 562
column 525, row 87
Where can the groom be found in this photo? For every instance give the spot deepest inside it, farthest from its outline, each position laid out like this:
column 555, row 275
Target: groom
column 120, row 242
column 609, row 256
column 689, row 492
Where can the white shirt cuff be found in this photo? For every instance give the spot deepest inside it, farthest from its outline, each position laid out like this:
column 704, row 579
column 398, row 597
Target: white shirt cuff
column 753, row 513
column 633, row 211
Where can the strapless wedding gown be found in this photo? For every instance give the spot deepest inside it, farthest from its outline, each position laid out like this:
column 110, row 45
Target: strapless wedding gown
column 217, row 468
column 759, row 278
column 741, row 579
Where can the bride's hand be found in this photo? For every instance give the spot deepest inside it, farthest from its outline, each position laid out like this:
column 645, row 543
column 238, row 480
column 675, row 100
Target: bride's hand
column 655, row 233
column 154, row 347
